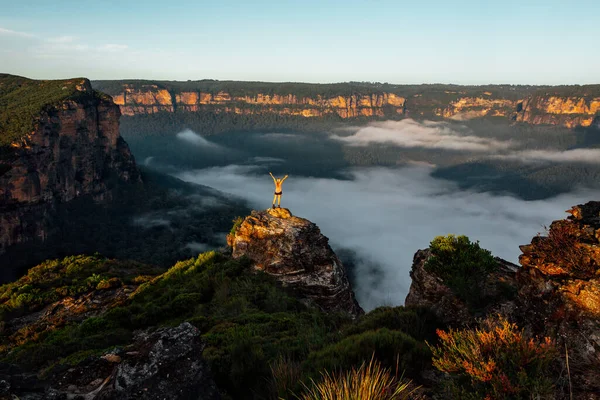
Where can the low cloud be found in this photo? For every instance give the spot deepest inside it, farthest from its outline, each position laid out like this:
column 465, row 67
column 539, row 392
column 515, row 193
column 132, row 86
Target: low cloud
column 192, row 137
column 151, row 221
column 409, row 133
column 148, row 161
column 266, row 160
column 198, row 247
column 587, row 156
column 384, row 215
column 283, row 136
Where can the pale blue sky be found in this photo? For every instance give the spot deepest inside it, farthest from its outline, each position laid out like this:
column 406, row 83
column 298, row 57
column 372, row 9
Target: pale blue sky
column 420, row 41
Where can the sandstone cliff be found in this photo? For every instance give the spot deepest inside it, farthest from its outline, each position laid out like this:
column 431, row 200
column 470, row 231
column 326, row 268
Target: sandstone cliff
column 557, row 292
column 74, row 149
column 569, row 111
column 294, row 251
column 569, row 106
column 150, row 99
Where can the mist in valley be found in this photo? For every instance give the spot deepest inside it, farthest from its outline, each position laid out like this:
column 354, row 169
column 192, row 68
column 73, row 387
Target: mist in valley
column 377, row 216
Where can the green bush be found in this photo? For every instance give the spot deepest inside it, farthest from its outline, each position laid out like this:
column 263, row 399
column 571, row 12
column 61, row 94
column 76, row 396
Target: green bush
column 391, row 348
column 246, row 319
column 462, row 265
column 420, row 323
column 237, row 222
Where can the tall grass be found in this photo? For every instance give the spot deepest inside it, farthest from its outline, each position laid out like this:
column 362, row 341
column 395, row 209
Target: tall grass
column 369, row 382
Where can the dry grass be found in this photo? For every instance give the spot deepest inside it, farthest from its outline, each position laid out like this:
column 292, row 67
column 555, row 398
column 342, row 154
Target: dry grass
column 369, row 382
column 563, row 247
column 285, row 375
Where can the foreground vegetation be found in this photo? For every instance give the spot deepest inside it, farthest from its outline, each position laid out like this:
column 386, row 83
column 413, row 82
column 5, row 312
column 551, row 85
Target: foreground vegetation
column 252, row 328
column 263, row 343
column 369, row 382
column 496, row 361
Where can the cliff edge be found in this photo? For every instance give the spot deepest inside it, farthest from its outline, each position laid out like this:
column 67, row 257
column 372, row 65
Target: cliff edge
column 58, row 140
column 294, row 251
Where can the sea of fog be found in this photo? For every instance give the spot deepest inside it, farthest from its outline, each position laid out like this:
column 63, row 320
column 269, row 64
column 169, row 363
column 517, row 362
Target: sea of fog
column 385, row 214
column 382, row 216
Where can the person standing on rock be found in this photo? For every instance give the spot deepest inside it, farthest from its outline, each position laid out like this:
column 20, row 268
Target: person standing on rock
column 278, row 192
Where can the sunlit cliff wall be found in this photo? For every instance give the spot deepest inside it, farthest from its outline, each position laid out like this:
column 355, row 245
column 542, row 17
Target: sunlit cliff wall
column 152, row 99
column 570, row 107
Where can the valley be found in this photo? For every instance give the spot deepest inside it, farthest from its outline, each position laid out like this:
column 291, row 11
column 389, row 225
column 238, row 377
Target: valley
column 365, row 204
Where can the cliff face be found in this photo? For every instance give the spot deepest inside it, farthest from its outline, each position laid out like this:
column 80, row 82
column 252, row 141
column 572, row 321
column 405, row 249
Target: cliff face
column 475, row 107
column 75, row 149
column 566, row 106
column 151, row 99
column 554, row 110
column 294, row 251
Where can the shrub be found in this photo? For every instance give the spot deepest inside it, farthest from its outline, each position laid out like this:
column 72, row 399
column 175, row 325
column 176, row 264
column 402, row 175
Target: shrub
column 495, row 361
column 237, row 222
column 563, row 247
column 462, row 265
column 369, row 382
column 418, row 322
column 391, row 348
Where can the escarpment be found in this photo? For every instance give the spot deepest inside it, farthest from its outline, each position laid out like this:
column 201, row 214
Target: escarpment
column 294, row 251
column 569, row 111
column 151, row 99
column 568, row 106
column 67, row 147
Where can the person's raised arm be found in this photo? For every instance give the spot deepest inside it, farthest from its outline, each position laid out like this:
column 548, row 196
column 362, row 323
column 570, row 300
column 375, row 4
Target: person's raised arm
column 274, row 180
column 284, row 178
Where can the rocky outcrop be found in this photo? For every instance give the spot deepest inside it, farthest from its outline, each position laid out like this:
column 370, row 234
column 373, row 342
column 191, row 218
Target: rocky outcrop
column 557, row 293
column 294, row 251
column 429, row 291
column 559, row 290
column 164, row 364
column 74, row 150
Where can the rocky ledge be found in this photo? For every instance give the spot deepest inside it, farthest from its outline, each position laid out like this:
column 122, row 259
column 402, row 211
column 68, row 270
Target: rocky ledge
column 293, row 250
